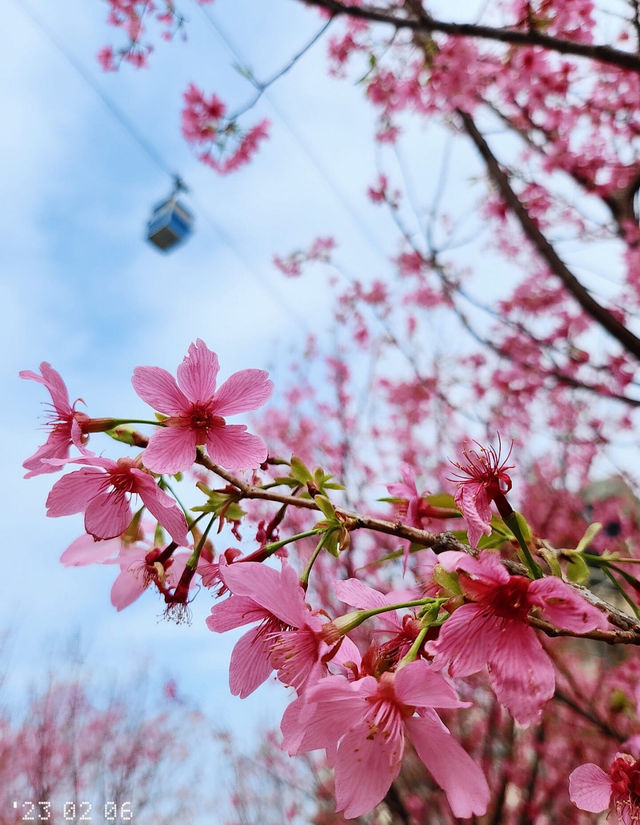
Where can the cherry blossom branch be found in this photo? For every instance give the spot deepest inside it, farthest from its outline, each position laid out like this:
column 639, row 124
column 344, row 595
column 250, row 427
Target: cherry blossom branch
column 438, row 542
column 596, row 311
column 424, row 23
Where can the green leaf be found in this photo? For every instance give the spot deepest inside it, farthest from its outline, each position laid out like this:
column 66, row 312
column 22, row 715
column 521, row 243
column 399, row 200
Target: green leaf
column 590, row 533
column 552, row 560
column 441, row 500
column 326, row 508
column 449, row 581
column 299, row 471
column 578, row 570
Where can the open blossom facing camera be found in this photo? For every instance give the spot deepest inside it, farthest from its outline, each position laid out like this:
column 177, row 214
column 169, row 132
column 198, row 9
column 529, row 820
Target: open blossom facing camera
column 196, row 410
column 591, row 789
column 492, row 630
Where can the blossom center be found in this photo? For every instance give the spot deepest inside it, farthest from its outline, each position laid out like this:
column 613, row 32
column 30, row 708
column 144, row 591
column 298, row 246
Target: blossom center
column 201, row 420
column 510, row 600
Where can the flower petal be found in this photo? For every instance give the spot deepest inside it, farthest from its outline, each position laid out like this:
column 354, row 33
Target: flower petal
column 475, row 506
column 250, row 663
column 279, row 592
column 198, row 372
column 243, row 391
column 71, row 493
column 563, row 607
column 522, row 674
column 451, row 766
column 85, row 550
column 466, row 640
column 162, row 506
column 235, row 612
column 159, row 389
column 52, row 380
column 590, row 788
column 170, row 450
column 128, row 587
column 107, row 515
column 234, row 448
column 417, row 684
column 367, row 762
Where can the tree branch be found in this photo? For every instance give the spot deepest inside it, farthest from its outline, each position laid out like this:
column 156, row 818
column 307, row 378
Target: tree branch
column 591, row 307
column 426, row 24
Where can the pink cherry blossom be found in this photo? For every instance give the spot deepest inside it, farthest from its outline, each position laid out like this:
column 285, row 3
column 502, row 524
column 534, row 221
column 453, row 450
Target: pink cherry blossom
column 287, row 637
column 67, row 426
column 102, row 491
column 591, row 789
column 362, row 724
column 141, row 567
column 483, row 478
column 492, row 629
column 195, row 411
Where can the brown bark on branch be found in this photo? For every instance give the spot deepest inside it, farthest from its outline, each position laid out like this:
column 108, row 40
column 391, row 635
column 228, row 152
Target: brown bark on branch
column 426, row 24
column 591, row 307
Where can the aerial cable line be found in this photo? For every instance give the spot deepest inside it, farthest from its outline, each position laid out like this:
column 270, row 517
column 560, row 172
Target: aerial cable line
column 155, row 156
column 305, row 147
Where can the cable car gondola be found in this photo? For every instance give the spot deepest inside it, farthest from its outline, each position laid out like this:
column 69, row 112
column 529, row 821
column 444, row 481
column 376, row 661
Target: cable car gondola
column 171, row 222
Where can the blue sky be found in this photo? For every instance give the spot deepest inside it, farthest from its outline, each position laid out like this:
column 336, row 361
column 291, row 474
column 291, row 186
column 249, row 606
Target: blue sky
column 82, row 290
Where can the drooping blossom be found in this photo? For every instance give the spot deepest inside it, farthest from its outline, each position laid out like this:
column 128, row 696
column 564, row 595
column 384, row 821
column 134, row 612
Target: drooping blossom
column 66, row 425
column 483, row 478
column 287, row 637
column 411, row 504
column 362, row 725
column 140, row 566
column 196, row 411
column 492, row 630
column 102, row 491
column 591, row 789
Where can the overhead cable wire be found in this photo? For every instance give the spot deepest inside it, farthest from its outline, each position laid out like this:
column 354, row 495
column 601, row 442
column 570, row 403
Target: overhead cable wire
column 155, row 156
column 293, row 130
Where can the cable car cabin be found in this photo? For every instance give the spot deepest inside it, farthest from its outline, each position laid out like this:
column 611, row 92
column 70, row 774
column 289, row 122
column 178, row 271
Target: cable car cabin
column 170, row 223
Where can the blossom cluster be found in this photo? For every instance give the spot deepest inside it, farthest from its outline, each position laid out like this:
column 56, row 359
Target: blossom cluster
column 370, row 667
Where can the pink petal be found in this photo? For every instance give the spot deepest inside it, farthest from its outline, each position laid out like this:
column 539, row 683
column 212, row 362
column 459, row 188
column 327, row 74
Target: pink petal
column 417, row 684
column 475, row 506
column 56, row 446
column 198, row 372
column 279, row 593
column 52, row 380
column 357, row 594
column 128, row 587
column 234, row 448
column 522, row 674
column 590, row 788
column 235, row 612
column 170, row 450
column 162, row 506
column 367, row 762
column 334, row 705
column 86, row 550
column 71, row 493
column 250, row 663
column 159, row 389
column 107, row 515
column 563, row 607
column 451, row 766
column 243, row 391
column 467, row 640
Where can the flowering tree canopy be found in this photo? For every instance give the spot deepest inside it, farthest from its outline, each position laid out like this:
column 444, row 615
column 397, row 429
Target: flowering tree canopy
column 380, row 614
